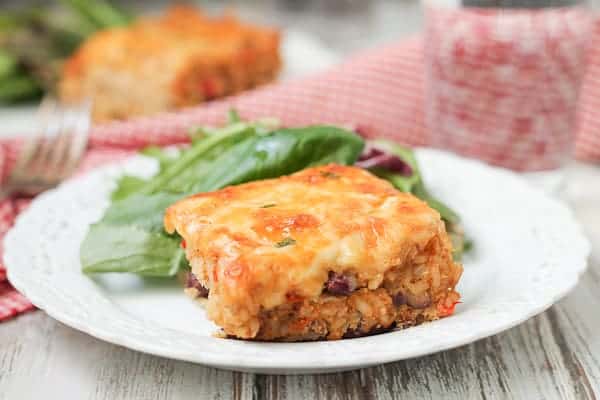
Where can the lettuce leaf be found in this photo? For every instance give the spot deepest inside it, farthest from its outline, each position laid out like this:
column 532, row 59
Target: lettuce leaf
column 130, row 235
column 129, row 248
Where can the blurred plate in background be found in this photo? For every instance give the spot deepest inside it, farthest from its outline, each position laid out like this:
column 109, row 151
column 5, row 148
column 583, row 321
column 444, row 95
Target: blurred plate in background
column 303, row 54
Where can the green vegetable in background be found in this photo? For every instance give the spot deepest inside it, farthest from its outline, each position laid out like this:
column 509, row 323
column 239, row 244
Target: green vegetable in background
column 130, row 236
column 99, row 13
column 35, row 40
column 14, row 84
column 18, row 88
column 8, row 64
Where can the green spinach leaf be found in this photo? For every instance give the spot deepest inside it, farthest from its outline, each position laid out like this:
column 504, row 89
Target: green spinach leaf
column 128, row 248
column 130, row 236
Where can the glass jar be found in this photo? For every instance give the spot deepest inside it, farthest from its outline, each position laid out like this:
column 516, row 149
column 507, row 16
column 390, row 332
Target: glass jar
column 502, row 79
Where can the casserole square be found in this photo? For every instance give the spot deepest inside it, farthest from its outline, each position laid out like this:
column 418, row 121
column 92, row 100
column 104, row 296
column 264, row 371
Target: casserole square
column 326, row 253
column 161, row 63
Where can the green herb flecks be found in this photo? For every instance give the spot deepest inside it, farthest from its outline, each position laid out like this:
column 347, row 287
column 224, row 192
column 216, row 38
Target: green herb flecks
column 288, row 241
column 329, row 175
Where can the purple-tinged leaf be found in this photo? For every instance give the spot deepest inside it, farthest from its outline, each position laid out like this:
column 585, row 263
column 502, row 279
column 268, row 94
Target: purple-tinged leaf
column 374, row 157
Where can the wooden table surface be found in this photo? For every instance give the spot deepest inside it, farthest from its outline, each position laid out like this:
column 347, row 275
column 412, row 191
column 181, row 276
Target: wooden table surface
column 555, row 355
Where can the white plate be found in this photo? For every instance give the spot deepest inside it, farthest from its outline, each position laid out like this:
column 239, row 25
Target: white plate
column 529, row 252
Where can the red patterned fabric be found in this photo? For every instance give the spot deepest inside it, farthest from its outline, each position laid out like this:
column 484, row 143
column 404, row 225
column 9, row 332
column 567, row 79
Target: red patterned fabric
column 12, row 302
column 381, row 91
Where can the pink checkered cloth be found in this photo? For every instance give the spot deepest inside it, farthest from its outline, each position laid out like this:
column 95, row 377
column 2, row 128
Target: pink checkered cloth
column 380, row 90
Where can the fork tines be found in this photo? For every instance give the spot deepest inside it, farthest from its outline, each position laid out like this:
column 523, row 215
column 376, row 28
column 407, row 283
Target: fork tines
column 51, row 155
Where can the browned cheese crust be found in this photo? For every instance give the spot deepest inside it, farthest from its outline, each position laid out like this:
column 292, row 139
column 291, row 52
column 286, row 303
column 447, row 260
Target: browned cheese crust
column 326, row 253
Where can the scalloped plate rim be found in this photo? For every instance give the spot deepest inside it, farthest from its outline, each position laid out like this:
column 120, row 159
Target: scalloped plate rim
column 260, row 364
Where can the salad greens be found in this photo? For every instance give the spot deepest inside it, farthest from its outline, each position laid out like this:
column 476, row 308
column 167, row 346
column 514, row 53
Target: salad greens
column 130, row 236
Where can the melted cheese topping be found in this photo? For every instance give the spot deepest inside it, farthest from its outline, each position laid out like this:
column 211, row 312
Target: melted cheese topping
column 257, row 245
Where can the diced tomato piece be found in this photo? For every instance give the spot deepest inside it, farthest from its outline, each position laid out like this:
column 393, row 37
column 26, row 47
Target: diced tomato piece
column 210, row 88
column 300, row 324
column 293, row 297
column 444, row 310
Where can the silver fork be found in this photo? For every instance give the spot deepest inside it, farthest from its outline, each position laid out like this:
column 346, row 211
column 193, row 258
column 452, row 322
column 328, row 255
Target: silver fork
column 48, row 158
